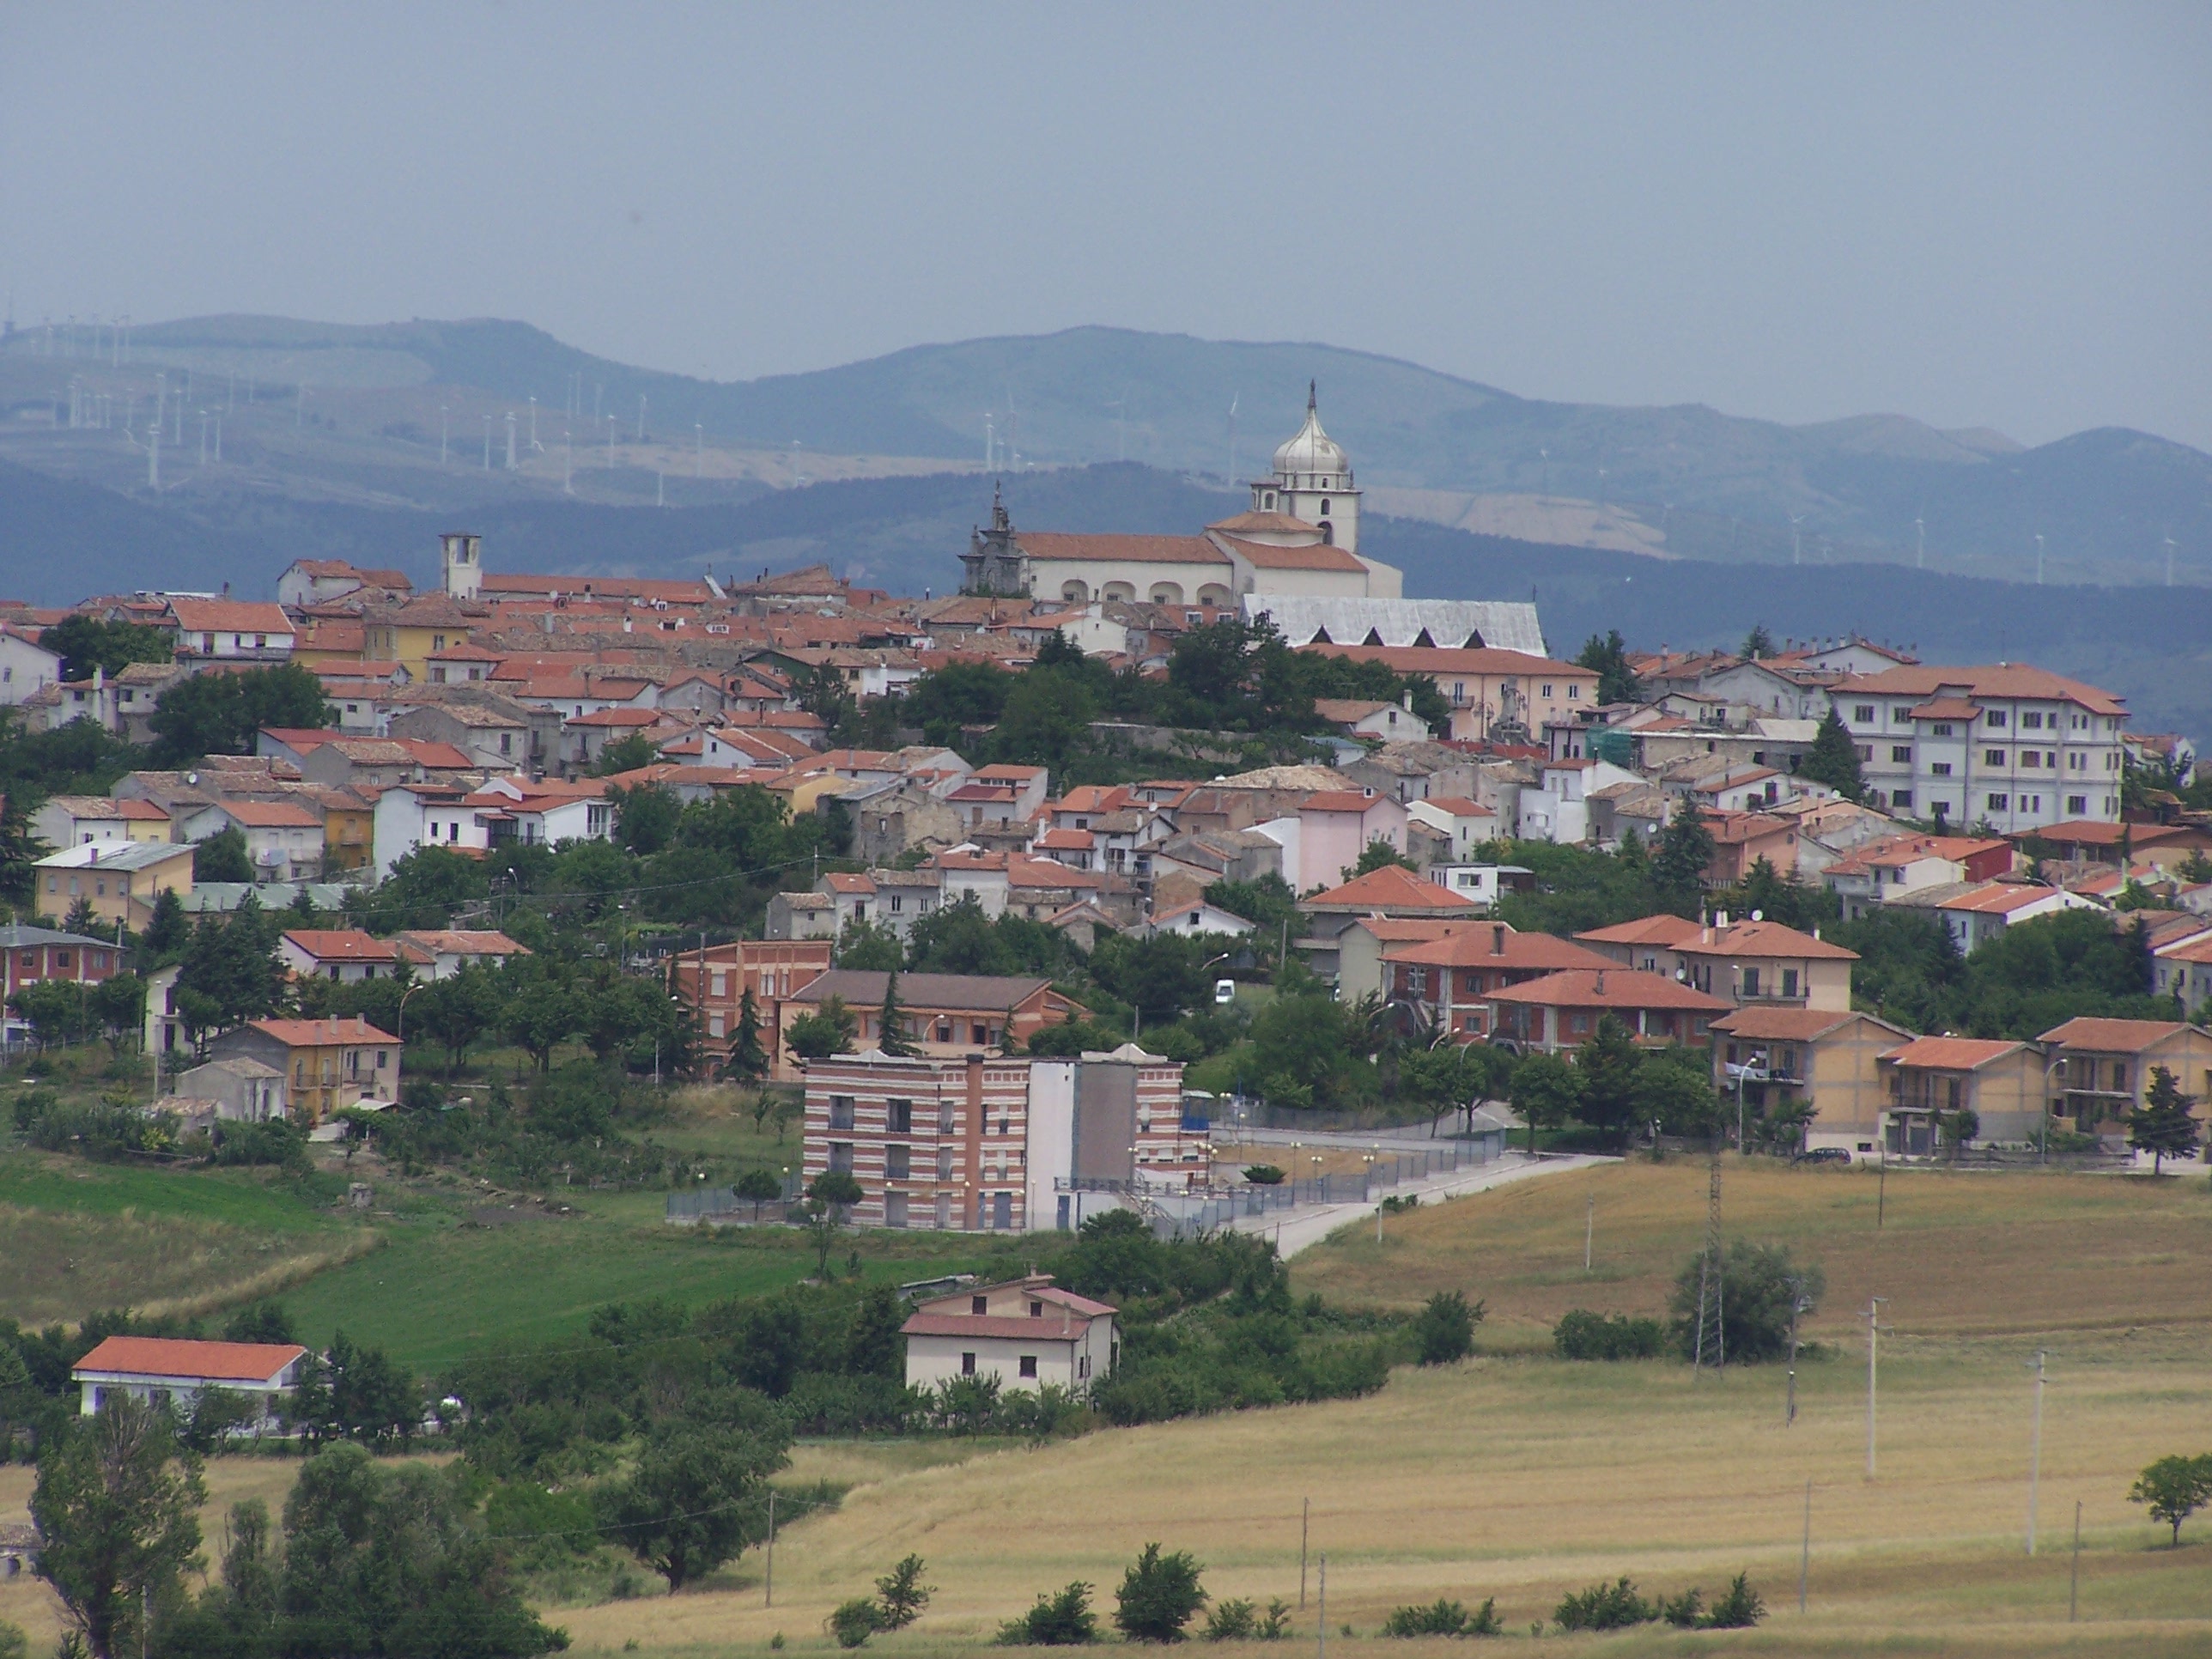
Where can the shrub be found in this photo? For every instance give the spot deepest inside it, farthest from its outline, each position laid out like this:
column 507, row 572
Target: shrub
column 1759, row 1284
column 1581, row 1334
column 1064, row 1620
column 1605, row 1607
column 1740, row 1609
column 1264, row 1175
column 1158, row 1596
column 1276, row 1625
column 1444, row 1330
column 1231, row 1621
column 1445, row 1619
column 1684, row 1611
column 854, row 1621
column 901, row 1595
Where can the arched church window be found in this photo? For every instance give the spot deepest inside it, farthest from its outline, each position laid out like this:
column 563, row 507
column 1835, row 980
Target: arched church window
column 1327, row 533
column 1324, row 505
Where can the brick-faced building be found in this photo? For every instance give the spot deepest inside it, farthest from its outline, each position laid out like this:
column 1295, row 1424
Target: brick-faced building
column 711, row 983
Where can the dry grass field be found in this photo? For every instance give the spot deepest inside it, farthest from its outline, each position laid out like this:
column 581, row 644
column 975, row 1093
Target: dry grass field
column 1519, row 1476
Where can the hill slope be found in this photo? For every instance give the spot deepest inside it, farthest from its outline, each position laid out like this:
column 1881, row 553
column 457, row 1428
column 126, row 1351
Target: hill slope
column 1689, row 478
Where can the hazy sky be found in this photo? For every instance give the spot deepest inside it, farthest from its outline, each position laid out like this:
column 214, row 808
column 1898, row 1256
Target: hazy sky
column 1977, row 215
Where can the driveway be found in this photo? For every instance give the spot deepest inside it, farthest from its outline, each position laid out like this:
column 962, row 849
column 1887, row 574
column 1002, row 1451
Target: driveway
column 1297, row 1229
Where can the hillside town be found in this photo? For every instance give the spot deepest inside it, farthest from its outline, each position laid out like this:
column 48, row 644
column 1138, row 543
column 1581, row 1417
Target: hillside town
column 1367, row 817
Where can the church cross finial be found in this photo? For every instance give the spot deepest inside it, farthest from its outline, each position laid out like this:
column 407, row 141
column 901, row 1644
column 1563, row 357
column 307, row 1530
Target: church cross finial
column 1310, row 404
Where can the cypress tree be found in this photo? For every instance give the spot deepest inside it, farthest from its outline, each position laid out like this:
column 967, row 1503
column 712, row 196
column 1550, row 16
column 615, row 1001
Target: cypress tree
column 1833, row 759
column 891, row 1022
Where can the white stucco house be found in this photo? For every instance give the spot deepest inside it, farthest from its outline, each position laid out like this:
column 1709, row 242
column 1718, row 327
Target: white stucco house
column 170, row 1371
column 1026, row 1333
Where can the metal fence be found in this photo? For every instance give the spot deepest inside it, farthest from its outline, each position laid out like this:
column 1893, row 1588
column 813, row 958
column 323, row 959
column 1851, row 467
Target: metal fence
column 1235, row 1112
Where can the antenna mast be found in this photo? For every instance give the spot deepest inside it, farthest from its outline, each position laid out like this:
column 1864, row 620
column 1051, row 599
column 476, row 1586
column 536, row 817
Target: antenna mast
column 1711, row 1339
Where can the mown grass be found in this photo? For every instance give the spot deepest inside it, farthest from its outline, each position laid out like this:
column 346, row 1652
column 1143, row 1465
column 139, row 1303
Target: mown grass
column 1956, row 1253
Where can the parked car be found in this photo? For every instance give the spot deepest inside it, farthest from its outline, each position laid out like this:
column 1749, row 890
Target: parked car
column 1823, row 1155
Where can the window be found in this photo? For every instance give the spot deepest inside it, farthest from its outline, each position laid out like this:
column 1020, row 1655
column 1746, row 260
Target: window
column 1900, row 798
column 1863, row 712
column 2030, row 757
column 1547, row 690
column 1941, row 729
column 1940, row 768
column 1789, row 982
column 841, row 1111
column 841, row 1157
column 1865, row 749
column 1901, row 753
column 898, row 1164
column 2033, row 720
column 1579, row 1024
column 1999, row 803
column 944, row 1164
column 2077, row 805
column 1574, row 693
column 1037, row 1308
column 1994, row 717
column 968, row 1365
column 979, row 1304
column 1751, row 982
column 899, row 1116
column 1027, row 1365
column 1993, row 756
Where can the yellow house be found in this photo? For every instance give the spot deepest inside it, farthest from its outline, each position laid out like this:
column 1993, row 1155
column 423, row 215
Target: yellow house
column 410, row 634
column 119, row 879
column 349, row 831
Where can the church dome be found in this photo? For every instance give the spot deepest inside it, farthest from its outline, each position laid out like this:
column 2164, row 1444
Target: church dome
column 1312, row 453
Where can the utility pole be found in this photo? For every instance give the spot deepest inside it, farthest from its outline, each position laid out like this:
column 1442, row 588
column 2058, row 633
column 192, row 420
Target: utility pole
column 1805, row 1557
column 1874, row 1335
column 1320, row 1617
column 1306, row 1525
column 2074, row 1577
column 768, row 1578
column 1589, row 1227
column 2035, row 1449
column 1710, row 1337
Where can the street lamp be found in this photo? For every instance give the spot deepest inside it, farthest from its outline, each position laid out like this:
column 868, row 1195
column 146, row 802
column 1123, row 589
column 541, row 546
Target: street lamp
column 1755, row 1069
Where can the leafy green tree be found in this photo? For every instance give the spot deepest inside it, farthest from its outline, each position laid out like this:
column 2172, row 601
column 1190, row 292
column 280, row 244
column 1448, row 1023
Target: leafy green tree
column 261, row 1321
column 2173, row 1489
column 456, row 1010
column 629, row 754
column 1616, row 681
column 1758, row 644
column 87, row 642
column 166, row 930
column 901, row 1596
column 221, row 713
column 748, row 1058
column 116, row 1503
column 891, row 1022
column 1160, row 1594
column 1546, row 1090
column 760, row 1185
column 539, row 1015
column 1759, row 1286
column 1608, row 1067
column 1379, row 855
column 869, row 947
column 230, row 973
column 1267, row 903
column 853, row 1622
column 118, row 1005
column 1833, row 759
column 1444, row 1330
column 695, row 1496
column 1674, row 1088
column 827, row 1031
column 1061, row 1621
column 1046, row 721
column 223, row 857
column 1685, row 851
column 2163, row 1125
column 20, row 849
column 645, row 818
column 55, row 1008
column 424, row 889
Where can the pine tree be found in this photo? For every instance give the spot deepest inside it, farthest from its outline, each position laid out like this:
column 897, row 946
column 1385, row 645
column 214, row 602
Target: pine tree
column 891, row 1022
column 747, row 1058
column 1757, row 643
column 1833, row 759
column 1685, row 848
column 1616, row 681
column 2162, row 1125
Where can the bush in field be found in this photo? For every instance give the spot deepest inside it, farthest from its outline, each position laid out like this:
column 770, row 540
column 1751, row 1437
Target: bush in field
column 1740, row 1609
column 1160, row 1594
column 1760, row 1284
column 1064, row 1620
column 2173, row 1489
column 1605, row 1607
column 1231, row 1621
column 1445, row 1619
column 1581, row 1334
column 1444, row 1331
column 854, row 1621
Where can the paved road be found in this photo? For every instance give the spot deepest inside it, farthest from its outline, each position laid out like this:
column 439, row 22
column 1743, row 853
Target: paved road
column 1298, row 1229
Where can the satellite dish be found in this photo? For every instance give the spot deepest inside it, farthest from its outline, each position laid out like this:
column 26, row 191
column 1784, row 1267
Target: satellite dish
column 1758, row 915
column 191, row 778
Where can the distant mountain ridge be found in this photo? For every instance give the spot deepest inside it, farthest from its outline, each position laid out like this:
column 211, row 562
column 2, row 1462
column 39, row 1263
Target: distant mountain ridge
column 1686, row 479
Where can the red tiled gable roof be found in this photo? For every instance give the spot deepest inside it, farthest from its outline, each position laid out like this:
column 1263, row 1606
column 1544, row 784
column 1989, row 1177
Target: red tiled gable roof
column 1613, row 987
column 1785, row 1025
column 1315, row 556
column 2000, row 899
column 164, row 1356
column 1664, row 931
column 841, row 881
column 342, row 945
column 1051, row 545
column 1995, row 681
column 1393, row 887
column 144, row 810
column 2195, row 948
column 1946, row 709
column 1950, row 1053
column 321, row 1033
column 1478, row 947
column 1337, row 800
column 230, row 617
column 1013, row 1328
column 2112, row 1036
column 272, row 814
column 1763, row 939
column 1068, row 841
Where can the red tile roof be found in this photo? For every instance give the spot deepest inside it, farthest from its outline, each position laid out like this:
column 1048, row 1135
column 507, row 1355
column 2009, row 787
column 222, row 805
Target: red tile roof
column 272, row 814
column 321, row 1033
column 1950, row 1053
column 1393, row 887
column 1788, row 1024
column 230, row 617
column 1499, row 946
column 1763, row 939
column 164, row 1356
column 1613, row 987
column 2002, row 681
column 2112, row 1036
column 1139, row 549
column 342, row 945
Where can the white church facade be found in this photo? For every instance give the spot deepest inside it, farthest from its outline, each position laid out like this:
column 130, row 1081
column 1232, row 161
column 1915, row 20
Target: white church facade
column 1300, row 536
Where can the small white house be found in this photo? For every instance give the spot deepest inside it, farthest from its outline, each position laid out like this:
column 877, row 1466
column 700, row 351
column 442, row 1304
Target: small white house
column 1198, row 918
column 1026, row 1333
column 169, row 1371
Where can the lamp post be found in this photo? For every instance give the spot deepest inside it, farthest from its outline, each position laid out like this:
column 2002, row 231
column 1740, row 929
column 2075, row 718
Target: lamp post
column 401, row 1019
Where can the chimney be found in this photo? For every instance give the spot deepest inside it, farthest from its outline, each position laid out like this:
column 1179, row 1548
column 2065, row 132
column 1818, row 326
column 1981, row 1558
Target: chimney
column 1600, row 982
column 1497, row 940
